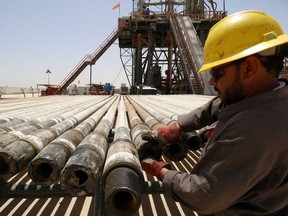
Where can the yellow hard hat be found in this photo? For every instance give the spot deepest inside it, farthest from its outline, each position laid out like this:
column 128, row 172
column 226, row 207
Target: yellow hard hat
column 239, row 35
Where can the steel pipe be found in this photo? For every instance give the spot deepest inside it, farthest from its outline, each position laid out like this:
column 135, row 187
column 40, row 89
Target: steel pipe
column 149, row 148
column 122, row 175
column 23, row 129
column 152, row 111
column 5, row 126
column 43, row 119
column 18, row 154
column 31, row 110
column 40, row 110
column 46, row 167
column 191, row 139
column 138, row 128
column 80, row 173
column 27, row 128
column 175, row 151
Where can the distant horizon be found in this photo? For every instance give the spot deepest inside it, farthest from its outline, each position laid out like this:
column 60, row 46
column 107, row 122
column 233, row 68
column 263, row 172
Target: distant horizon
column 4, row 89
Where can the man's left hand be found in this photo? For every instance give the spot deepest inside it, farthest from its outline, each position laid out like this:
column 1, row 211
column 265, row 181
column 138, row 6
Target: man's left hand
column 154, row 167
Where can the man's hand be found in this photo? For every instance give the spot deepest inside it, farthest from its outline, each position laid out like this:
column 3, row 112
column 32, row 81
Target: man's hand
column 154, row 167
column 164, row 135
column 171, row 133
column 170, row 141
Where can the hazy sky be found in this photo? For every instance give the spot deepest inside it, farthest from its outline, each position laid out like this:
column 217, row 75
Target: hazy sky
column 36, row 35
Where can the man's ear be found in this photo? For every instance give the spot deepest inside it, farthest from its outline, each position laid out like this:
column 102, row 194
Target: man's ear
column 250, row 67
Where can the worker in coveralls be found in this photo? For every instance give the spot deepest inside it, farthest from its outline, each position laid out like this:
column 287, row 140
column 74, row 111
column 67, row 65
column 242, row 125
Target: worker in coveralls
column 243, row 169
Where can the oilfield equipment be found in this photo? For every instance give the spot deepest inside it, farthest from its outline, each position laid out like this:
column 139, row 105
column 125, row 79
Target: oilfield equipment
column 161, row 49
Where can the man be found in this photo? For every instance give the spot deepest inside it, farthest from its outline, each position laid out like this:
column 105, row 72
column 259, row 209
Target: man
column 243, row 169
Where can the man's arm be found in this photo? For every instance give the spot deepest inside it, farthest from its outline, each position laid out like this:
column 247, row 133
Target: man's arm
column 201, row 116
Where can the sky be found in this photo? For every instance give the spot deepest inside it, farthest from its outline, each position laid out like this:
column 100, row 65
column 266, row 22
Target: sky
column 36, row 35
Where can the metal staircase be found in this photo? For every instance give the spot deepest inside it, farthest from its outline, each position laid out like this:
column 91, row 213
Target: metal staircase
column 89, row 59
column 189, row 45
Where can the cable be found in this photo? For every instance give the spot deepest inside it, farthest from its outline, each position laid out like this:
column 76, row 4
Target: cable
column 117, row 75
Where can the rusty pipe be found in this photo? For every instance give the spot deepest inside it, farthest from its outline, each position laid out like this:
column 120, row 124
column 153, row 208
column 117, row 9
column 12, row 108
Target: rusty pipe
column 21, row 130
column 149, row 148
column 46, row 167
column 12, row 157
column 138, row 128
column 81, row 170
column 176, row 151
column 4, row 127
column 14, row 135
column 191, row 139
column 48, row 120
column 122, row 175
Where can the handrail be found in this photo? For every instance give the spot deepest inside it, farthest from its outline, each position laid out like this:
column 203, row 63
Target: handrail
column 74, row 69
column 89, row 59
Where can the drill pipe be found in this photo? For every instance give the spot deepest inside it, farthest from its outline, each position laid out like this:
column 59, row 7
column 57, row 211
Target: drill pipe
column 85, row 164
column 32, row 112
column 47, row 120
column 6, row 119
column 161, row 107
column 21, row 130
column 191, row 139
column 39, row 111
column 150, row 148
column 176, row 151
column 46, row 167
column 12, row 136
column 156, row 114
column 164, row 104
column 145, row 149
column 147, row 118
column 5, row 126
column 122, row 175
column 18, row 154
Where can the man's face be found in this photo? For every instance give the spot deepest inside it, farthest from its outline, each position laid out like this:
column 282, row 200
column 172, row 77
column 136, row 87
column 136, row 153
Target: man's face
column 227, row 82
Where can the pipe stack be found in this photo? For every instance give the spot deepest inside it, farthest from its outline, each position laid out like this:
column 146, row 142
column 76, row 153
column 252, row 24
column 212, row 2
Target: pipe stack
column 175, row 151
column 46, row 167
column 85, row 165
column 149, row 148
column 18, row 154
column 191, row 139
column 18, row 131
column 146, row 149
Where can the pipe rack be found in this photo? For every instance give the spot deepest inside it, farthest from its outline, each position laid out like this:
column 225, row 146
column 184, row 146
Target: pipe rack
column 131, row 121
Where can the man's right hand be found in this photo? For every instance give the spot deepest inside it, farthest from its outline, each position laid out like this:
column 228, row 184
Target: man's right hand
column 169, row 134
column 168, row 139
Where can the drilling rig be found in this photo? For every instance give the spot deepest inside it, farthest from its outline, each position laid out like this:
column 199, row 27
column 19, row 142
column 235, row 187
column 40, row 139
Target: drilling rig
column 161, row 46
